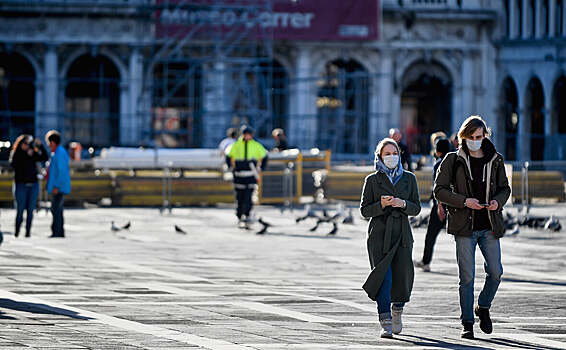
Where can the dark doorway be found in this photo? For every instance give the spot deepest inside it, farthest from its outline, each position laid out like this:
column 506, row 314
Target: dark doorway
column 92, row 102
column 509, row 117
column 177, row 104
column 558, row 116
column 343, row 108
column 17, row 96
column 425, row 106
column 535, row 111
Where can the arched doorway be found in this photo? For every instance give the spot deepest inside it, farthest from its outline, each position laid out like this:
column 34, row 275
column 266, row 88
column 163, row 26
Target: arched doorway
column 92, row 102
column 425, row 104
column 509, row 117
column 558, row 116
column 177, row 104
column 17, row 96
column 534, row 103
column 263, row 102
column 343, row 108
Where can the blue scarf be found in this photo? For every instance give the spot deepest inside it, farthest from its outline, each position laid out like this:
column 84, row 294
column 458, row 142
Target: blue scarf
column 394, row 174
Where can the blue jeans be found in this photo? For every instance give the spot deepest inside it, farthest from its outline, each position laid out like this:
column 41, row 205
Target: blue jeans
column 384, row 297
column 466, row 257
column 57, row 229
column 26, row 199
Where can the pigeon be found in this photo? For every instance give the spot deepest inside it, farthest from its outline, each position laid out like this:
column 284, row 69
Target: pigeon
column 334, row 229
column 180, row 230
column 266, row 224
column 310, row 214
column 127, row 226
column 114, row 228
column 514, row 231
column 315, row 227
column 552, row 224
column 349, row 219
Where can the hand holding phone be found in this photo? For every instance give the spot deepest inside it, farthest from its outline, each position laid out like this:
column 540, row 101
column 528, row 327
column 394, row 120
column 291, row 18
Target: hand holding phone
column 386, row 200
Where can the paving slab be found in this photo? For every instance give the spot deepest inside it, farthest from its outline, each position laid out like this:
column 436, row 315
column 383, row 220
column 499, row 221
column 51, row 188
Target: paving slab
column 220, row 287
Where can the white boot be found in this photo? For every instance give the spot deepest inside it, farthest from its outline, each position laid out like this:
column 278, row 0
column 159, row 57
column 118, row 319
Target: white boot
column 386, row 325
column 397, row 323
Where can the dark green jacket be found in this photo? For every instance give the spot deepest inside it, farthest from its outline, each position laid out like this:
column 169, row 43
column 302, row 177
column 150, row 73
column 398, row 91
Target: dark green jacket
column 453, row 184
column 390, row 240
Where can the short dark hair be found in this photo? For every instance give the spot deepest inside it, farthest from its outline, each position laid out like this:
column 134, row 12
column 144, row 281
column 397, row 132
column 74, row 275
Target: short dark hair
column 232, row 132
column 442, row 145
column 53, row 135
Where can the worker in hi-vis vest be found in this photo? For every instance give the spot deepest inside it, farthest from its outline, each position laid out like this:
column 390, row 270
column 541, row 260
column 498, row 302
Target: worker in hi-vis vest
column 247, row 158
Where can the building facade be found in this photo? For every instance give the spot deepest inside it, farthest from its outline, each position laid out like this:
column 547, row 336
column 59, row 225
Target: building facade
column 105, row 74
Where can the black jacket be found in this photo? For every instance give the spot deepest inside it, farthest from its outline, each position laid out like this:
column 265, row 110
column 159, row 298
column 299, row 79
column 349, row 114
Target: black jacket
column 453, row 184
column 25, row 166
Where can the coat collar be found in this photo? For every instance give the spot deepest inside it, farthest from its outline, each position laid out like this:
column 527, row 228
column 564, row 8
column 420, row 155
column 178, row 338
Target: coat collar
column 384, row 181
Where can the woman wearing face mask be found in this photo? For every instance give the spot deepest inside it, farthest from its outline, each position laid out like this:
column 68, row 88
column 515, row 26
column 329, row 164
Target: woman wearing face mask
column 23, row 158
column 389, row 197
column 473, row 185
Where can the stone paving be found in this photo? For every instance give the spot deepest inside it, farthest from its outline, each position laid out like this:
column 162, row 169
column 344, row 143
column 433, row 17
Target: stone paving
column 219, row 287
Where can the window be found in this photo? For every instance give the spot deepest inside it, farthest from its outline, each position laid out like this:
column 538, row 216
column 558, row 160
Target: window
column 532, row 18
column 559, row 17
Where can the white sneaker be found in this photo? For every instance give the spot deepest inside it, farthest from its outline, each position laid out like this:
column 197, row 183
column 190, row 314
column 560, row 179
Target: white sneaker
column 387, row 330
column 397, row 323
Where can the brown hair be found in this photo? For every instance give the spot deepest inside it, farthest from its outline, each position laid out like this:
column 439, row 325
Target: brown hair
column 24, row 138
column 470, row 125
column 386, row 141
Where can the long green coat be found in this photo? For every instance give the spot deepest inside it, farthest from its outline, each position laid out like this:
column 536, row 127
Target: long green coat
column 390, row 240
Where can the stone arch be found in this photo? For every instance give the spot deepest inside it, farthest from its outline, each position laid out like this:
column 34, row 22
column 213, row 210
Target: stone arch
column 92, row 101
column 343, row 107
column 535, row 117
column 18, row 76
column 508, row 121
column 426, row 94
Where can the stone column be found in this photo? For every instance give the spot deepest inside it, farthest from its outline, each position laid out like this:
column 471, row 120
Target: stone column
column 302, row 121
column 524, row 140
column 50, row 117
column 130, row 133
column 124, row 117
column 379, row 127
column 539, row 19
column 525, row 18
column 215, row 118
column 551, row 18
column 513, row 28
column 467, row 85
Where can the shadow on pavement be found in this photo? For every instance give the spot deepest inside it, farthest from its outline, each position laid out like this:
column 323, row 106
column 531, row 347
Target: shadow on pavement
column 3, row 316
column 307, row 236
column 517, row 280
column 423, row 341
column 38, row 309
column 517, row 344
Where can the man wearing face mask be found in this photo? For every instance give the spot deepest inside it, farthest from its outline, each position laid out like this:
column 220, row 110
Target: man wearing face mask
column 473, row 185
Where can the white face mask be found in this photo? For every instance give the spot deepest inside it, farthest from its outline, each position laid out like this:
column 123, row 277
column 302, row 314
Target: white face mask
column 474, row 145
column 391, row 161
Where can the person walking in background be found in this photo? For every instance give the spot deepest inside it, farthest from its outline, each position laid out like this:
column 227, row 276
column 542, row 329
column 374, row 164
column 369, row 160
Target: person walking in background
column 58, row 181
column 437, row 217
column 389, row 196
column 247, row 157
column 396, row 135
column 473, row 185
column 24, row 157
column 231, row 137
column 280, row 140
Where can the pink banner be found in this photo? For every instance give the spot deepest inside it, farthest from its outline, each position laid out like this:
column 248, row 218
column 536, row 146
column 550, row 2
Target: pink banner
column 287, row 20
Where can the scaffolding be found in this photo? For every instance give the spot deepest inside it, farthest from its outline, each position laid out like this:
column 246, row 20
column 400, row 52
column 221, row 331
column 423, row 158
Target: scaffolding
column 200, row 48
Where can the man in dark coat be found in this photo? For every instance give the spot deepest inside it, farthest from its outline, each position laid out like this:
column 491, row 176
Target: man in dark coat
column 437, row 217
column 473, row 185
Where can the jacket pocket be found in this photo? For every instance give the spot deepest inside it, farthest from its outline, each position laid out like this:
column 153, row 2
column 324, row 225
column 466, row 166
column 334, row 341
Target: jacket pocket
column 457, row 219
column 498, row 223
